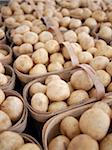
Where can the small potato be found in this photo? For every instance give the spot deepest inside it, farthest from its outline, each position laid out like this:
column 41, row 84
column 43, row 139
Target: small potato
column 13, row 107
column 37, row 88
column 30, row 37
column 99, row 62
column 18, row 39
column 109, row 88
column 25, row 48
column 77, row 97
column 82, row 29
column 16, row 51
column 40, row 56
column 65, row 12
column 85, row 57
column 103, row 106
column 91, row 119
column 40, row 102
column 36, row 29
column 75, row 23
column 52, row 46
column 65, row 21
column 28, row 23
column 106, row 143
column 2, row 34
column 70, row 87
column 57, row 106
column 26, row 8
column 93, row 93
column 29, row 146
column 4, row 52
column 19, row 18
column 57, row 57
column 22, row 29
column 2, row 69
column 38, row 69
column 2, row 96
column 6, row 11
column 68, row 64
column 23, row 63
column 100, row 44
column 83, row 141
column 99, row 15
column 3, row 79
column 5, row 121
column 70, row 36
column 82, row 83
column 69, row 127
column 90, row 22
column 10, row 140
column 39, row 45
column 45, row 36
column 58, row 90
column 55, row 66
column 2, row 56
column 60, row 142
column 52, row 77
column 10, row 22
column 104, row 77
column 109, row 68
column 92, row 50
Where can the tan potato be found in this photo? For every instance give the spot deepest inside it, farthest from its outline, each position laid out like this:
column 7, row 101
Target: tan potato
column 91, row 119
column 106, row 143
column 65, row 21
column 40, row 102
column 99, row 15
column 75, row 23
column 36, row 29
column 83, row 141
column 52, row 77
column 16, row 51
column 14, row 6
column 39, row 45
column 100, row 44
column 68, row 64
column 4, row 52
column 2, row 34
column 77, row 97
column 92, row 50
column 99, row 62
column 65, row 12
column 10, row 140
column 93, row 93
column 25, row 48
column 60, row 142
column 109, row 88
column 57, row 57
column 2, row 56
column 30, row 17
column 3, row 79
column 70, row 36
column 85, row 57
column 22, row 29
column 29, row 146
column 83, row 29
column 70, row 87
column 57, row 106
column 45, row 36
column 109, row 68
column 30, row 37
column 60, row 90
column 69, row 127
column 52, row 46
column 18, row 39
column 2, row 96
column 37, row 88
column 55, row 66
column 38, row 69
column 104, row 77
column 23, row 63
column 6, row 11
column 90, row 22
column 2, row 69
column 103, row 106
column 40, row 56
column 19, row 18
column 26, row 8
column 82, row 83
column 13, row 107
column 28, row 23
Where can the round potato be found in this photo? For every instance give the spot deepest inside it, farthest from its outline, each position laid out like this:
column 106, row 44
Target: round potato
column 85, row 57
column 109, row 68
column 45, row 36
column 3, row 79
column 2, row 69
column 68, row 64
column 57, row 57
column 70, row 36
column 109, row 88
column 51, row 77
column 106, row 143
column 25, row 48
column 30, row 37
column 29, row 146
column 55, row 66
column 22, row 29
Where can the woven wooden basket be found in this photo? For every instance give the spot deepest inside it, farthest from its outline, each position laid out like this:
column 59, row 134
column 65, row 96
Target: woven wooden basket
column 51, row 127
column 43, row 116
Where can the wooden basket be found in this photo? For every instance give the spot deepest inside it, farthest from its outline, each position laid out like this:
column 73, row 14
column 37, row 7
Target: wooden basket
column 11, row 83
column 51, row 127
column 20, row 125
column 43, row 116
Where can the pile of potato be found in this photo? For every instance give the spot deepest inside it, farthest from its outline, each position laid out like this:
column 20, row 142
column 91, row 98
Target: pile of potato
column 90, row 132
column 11, row 108
column 14, row 141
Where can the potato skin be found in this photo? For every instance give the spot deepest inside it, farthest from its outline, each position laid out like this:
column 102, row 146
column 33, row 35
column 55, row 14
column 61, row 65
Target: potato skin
column 29, row 146
column 106, row 143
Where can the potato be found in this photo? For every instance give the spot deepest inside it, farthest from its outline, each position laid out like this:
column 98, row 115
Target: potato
column 38, row 69
column 23, row 63
column 55, row 66
column 39, row 45
column 82, row 83
column 14, row 6
column 2, row 34
column 106, row 143
column 52, row 77
column 85, row 57
column 83, row 141
column 91, row 119
column 57, row 57
column 68, row 64
column 90, row 22
column 93, row 93
column 75, row 23
column 99, row 15
column 77, row 97
column 40, row 56
column 100, row 44
column 57, row 106
column 2, row 56
column 58, row 90
column 45, row 36
column 70, row 36
column 30, row 17
column 109, row 88
column 10, row 140
column 104, row 77
column 65, row 21
column 26, row 8
column 22, row 29
column 109, row 68
column 65, row 12
column 29, row 146
column 69, row 127
column 18, row 39
column 70, row 87
column 92, row 50
column 2, row 69
column 5, row 121
column 28, row 23
column 99, row 62
column 83, row 29
column 25, row 48
column 103, row 106
column 3, row 79
column 13, row 107
column 52, row 46
column 6, row 11
column 2, row 96
column 4, row 52
column 19, row 18
column 60, row 142
column 30, row 37
column 40, row 102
